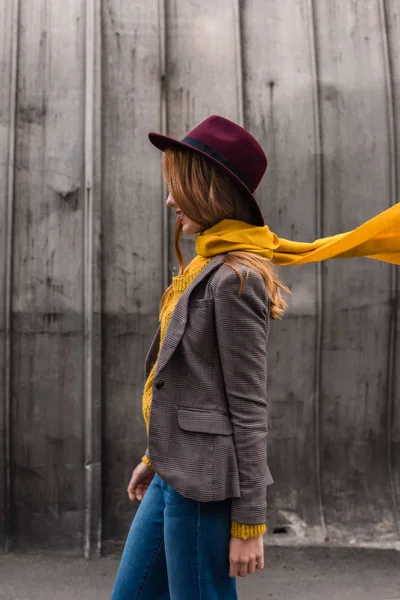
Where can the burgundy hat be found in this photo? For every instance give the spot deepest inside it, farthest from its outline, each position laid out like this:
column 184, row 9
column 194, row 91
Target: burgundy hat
column 228, row 145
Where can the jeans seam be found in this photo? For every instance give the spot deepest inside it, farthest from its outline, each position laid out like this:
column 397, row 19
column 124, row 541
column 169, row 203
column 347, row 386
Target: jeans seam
column 149, row 571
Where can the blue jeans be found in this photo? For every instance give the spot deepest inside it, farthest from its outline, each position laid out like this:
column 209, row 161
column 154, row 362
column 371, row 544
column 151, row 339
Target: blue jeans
column 176, row 549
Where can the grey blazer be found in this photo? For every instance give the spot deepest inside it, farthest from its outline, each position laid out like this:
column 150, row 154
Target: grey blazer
column 208, row 417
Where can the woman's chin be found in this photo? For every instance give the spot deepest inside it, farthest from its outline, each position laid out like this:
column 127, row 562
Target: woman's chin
column 186, row 229
column 190, row 228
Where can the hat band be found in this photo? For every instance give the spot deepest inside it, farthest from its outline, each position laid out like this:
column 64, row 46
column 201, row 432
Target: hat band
column 219, row 157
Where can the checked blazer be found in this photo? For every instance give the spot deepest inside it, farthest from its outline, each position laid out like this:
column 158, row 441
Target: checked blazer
column 208, row 418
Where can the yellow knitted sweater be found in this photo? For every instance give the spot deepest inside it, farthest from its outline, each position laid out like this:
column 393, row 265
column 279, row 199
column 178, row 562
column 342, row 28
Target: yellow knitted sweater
column 179, row 284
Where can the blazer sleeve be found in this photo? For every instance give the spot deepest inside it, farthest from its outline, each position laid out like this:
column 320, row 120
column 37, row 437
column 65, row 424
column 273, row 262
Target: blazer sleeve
column 242, row 325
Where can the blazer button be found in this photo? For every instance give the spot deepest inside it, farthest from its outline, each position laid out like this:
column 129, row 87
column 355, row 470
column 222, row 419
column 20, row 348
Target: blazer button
column 159, row 384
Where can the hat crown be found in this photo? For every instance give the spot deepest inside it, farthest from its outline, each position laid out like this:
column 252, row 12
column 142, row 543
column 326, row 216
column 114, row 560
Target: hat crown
column 234, row 143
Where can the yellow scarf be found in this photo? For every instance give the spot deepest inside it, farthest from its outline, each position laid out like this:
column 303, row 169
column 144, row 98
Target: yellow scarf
column 377, row 238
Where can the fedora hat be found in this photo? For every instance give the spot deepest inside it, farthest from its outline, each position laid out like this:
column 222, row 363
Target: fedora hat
column 227, row 145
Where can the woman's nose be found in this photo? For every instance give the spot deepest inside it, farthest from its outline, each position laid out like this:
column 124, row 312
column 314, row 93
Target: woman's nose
column 170, row 201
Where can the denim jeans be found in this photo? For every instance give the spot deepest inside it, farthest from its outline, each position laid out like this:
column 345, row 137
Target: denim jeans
column 176, row 549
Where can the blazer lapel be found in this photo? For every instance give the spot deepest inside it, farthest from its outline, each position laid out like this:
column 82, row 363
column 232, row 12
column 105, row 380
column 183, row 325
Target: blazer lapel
column 177, row 323
column 151, row 356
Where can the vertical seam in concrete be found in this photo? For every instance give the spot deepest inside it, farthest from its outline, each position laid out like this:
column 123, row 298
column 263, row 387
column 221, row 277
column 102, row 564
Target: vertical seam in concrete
column 9, row 266
column 319, row 233
column 238, row 44
column 391, row 119
column 92, row 462
column 96, row 269
column 162, row 37
column 87, row 274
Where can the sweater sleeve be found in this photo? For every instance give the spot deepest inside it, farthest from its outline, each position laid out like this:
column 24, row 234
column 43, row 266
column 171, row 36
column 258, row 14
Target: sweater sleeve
column 244, row 531
column 146, row 458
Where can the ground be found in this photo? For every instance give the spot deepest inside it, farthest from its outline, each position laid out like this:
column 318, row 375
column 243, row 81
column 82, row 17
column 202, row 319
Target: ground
column 290, row 573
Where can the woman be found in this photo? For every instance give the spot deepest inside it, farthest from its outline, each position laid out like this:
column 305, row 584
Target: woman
column 202, row 481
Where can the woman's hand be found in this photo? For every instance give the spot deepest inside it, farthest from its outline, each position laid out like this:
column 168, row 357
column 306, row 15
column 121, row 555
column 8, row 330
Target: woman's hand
column 245, row 556
column 140, row 481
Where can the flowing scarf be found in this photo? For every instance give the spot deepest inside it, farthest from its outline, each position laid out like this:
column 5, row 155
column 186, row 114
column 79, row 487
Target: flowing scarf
column 378, row 238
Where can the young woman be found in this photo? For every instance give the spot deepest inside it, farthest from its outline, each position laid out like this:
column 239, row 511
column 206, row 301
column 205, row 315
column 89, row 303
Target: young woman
column 203, row 479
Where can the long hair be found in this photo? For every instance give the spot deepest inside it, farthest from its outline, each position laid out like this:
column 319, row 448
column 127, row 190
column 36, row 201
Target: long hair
column 207, row 195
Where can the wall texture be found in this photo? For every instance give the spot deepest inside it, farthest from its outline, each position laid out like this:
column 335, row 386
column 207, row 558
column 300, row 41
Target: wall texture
column 86, row 246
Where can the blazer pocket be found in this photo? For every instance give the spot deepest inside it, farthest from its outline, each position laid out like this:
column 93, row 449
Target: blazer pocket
column 206, row 421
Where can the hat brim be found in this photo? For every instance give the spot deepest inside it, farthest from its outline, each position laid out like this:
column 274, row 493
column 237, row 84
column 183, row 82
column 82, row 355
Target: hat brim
column 162, row 142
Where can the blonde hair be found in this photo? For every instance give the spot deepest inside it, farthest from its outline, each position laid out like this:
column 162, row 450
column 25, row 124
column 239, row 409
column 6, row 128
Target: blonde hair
column 207, row 195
